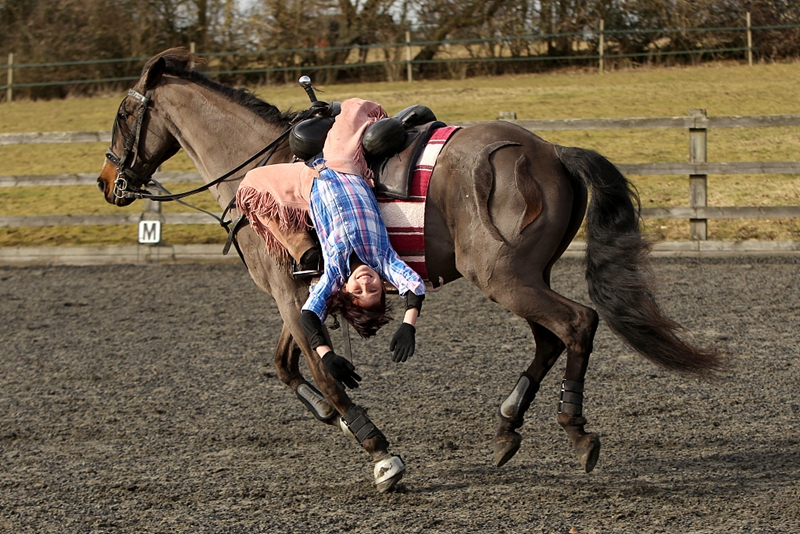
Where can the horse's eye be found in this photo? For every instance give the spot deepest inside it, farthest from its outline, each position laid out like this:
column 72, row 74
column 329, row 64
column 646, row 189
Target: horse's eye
column 122, row 115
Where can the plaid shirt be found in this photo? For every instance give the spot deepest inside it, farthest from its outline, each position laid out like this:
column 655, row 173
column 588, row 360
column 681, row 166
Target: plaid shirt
column 347, row 219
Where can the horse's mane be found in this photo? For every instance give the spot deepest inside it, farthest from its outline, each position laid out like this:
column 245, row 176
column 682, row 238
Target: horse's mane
column 181, row 62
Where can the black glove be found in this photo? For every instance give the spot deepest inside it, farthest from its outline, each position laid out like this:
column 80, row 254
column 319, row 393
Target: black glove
column 341, row 370
column 403, row 343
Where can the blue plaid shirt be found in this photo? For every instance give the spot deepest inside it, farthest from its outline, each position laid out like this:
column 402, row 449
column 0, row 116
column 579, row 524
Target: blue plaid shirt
column 347, row 219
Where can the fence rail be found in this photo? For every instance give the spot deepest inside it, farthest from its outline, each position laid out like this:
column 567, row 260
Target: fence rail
column 697, row 123
column 630, row 123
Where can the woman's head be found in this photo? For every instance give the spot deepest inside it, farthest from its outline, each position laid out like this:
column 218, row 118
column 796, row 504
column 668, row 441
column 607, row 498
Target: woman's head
column 362, row 302
column 365, row 285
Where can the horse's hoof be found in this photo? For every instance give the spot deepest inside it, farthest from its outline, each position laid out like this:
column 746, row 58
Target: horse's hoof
column 388, row 472
column 588, row 451
column 506, row 448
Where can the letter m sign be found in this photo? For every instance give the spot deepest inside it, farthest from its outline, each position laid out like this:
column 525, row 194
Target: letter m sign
column 150, row 232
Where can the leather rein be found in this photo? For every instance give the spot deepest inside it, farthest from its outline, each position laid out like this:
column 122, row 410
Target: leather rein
column 129, row 184
column 126, row 183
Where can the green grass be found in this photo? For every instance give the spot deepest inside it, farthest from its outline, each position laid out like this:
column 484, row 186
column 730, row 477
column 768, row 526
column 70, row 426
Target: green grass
column 722, row 89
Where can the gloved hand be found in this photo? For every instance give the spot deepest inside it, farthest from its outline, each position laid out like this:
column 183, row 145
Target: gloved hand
column 341, row 370
column 403, row 343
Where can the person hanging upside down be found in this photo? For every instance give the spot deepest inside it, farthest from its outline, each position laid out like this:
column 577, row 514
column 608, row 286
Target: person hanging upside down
column 354, row 243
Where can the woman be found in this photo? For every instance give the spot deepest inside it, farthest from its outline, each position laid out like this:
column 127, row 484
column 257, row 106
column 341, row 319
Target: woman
column 354, row 242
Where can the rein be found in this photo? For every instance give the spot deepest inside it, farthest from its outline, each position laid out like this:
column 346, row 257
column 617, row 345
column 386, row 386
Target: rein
column 126, row 175
column 143, row 193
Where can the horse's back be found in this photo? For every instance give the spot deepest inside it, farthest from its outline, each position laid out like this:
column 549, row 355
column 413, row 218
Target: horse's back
column 498, row 191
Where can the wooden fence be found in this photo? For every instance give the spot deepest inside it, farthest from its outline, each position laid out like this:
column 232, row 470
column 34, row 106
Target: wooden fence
column 697, row 123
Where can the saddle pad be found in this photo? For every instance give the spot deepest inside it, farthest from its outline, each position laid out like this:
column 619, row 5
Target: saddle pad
column 405, row 219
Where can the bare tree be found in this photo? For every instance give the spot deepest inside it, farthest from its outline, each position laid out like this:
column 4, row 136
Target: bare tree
column 325, row 37
column 332, row 30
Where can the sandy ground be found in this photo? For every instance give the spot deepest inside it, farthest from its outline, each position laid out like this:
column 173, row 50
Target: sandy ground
column 143, row 399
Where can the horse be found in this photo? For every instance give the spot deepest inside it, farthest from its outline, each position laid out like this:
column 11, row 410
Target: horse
column 503, row 205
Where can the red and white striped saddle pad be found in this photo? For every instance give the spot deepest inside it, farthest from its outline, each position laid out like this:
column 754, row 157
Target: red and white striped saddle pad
column 405, row 219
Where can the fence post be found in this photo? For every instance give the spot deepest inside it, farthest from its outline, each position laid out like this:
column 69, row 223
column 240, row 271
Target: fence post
column 152, row 210
column 749, row 42
column 698, row 183
column 150, row 233
column 601, row 45
column 9, row 92
column 408, row 57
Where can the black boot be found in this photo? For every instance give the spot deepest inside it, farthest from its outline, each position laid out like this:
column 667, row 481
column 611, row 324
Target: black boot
column 309, row 265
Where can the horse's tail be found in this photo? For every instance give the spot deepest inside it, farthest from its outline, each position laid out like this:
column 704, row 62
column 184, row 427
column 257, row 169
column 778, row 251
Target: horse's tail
column 618, row 275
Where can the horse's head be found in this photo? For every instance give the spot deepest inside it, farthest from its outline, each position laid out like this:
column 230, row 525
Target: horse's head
column 140, row 140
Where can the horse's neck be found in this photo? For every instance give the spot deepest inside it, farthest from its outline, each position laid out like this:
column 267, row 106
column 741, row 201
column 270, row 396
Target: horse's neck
column 217, row 134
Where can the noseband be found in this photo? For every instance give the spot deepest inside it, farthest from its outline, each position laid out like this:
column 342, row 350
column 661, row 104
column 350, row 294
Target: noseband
column 125, row 174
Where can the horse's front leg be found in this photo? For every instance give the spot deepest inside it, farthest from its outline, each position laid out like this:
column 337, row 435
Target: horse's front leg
column 287, row 357
column 353, row 420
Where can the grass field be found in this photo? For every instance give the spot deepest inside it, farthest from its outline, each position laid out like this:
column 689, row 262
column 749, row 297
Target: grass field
column 722, row 89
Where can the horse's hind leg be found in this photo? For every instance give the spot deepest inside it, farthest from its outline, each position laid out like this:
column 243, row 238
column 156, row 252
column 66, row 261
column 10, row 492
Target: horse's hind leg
column 557, row 323
column 570, row 406
column 512, row 411
column 570, row 417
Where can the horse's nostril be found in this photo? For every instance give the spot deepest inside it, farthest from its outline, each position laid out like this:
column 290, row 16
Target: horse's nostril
column 101, row 185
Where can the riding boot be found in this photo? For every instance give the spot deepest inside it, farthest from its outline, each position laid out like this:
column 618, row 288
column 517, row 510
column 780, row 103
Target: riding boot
column 301, row 247
column 310, row 263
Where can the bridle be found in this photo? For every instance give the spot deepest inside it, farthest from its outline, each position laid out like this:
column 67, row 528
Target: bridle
column 129, row 184
column 125, row 172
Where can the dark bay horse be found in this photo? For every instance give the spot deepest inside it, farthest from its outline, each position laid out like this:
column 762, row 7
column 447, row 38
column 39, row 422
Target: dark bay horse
column 503, row 205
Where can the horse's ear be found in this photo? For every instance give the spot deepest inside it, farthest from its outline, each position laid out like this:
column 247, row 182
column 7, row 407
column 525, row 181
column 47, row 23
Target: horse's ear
column 153, row 74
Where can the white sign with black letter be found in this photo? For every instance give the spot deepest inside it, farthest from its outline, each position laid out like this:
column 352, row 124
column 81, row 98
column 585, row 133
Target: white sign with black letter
column 150, row 232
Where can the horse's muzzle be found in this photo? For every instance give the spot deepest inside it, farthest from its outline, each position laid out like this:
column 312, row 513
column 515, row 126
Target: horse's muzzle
column 106, row 183
column 110, row 196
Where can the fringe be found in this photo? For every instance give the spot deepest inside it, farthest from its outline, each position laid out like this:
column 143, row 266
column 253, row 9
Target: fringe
column 361, row 160
column 259, row 206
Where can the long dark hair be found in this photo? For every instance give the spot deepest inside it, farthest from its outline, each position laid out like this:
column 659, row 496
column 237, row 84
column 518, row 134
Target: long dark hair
column 366, row 321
